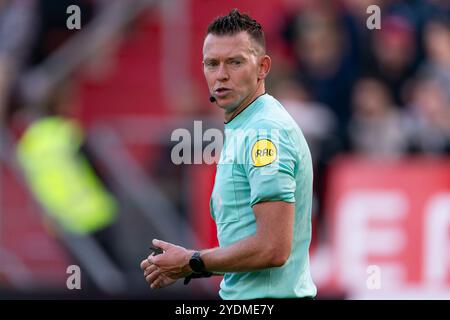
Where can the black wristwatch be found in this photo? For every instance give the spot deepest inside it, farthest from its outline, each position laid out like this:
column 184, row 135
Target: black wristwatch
column 198, row 266
column 196, row 263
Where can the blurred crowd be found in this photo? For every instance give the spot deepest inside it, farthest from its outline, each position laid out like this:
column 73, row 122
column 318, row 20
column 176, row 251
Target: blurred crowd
column 381, row 92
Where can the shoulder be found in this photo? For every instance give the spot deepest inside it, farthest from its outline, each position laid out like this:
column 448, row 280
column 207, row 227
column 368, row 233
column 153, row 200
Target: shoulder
column 272, row 114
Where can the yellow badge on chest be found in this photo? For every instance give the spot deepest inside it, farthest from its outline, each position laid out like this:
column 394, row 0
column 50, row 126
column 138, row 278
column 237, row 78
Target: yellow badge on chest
column 264, row 152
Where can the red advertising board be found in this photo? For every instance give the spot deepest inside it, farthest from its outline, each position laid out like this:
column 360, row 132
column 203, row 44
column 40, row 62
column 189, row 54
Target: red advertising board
column 389, row 228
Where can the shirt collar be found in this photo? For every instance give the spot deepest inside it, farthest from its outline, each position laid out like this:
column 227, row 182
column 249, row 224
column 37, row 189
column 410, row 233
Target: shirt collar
column 244, row 114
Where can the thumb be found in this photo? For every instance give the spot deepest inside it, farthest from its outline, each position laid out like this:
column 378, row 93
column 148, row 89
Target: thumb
column 162, row 244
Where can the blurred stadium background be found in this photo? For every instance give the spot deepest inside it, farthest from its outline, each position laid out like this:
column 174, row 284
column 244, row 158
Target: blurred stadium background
column 86, row 118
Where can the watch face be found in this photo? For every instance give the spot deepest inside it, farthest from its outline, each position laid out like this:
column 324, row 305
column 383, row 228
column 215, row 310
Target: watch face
column 196, row 264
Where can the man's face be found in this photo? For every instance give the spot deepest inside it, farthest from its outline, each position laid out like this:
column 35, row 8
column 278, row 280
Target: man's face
column 231, row 68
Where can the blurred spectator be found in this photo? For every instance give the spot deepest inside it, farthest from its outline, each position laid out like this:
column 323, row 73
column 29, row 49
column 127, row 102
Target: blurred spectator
column 394, row 57
column 317, row 122
column 376, row 124
column 428, row 121
column 358, row 8
column 355, row 15
column 418, row 12
column 66, row 180
column 324, row 55
column 437, row 45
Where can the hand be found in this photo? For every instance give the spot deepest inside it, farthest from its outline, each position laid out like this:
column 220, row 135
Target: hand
column 174, row 262
column 154, row 277
column 165, row 269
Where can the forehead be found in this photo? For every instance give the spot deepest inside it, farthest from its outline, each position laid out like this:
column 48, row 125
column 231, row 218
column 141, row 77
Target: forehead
column 221, row 46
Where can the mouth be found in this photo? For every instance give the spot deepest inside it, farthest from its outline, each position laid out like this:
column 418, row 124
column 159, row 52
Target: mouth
column 222, row 91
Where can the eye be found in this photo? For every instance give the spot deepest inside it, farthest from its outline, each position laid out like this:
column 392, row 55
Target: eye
column 235, row 62
column 210, row 63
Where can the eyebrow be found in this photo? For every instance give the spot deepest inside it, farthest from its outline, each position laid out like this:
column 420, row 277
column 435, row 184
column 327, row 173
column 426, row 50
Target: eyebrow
column 237, row 57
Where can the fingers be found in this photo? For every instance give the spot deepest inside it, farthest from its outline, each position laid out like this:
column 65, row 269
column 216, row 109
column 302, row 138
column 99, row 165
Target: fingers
column 162, row 244
column 156, row 283
column 145, row 264
column 158, row 280
column 152, row 259
column 150, row 269
column 150, row 278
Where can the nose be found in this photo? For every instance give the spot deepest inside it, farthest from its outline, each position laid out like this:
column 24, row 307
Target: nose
column 222, row 73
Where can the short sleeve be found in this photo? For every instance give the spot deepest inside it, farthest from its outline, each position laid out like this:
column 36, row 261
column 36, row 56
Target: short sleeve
column 271, row 163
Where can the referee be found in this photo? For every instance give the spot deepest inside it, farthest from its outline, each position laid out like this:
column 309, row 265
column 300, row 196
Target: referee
column 262, row 196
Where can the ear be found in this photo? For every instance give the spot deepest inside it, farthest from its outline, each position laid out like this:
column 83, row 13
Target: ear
column 264, row 67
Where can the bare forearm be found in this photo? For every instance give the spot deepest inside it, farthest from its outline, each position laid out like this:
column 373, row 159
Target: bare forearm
column 248, row 254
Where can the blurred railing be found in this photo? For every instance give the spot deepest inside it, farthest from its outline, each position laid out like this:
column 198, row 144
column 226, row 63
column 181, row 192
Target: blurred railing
column 38, row 83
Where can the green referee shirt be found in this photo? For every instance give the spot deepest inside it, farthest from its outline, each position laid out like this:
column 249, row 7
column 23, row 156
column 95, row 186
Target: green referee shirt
column 265, row 157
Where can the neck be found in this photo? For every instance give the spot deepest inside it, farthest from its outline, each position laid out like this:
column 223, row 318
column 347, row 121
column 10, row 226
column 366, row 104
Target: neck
column 260, row 90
